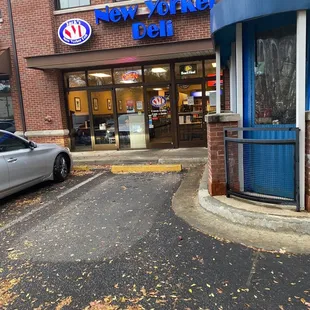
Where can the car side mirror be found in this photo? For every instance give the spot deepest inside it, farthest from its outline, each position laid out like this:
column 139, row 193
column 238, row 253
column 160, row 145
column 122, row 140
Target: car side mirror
column 32, row 145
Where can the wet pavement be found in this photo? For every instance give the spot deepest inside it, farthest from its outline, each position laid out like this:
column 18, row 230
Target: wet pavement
column 114, row 243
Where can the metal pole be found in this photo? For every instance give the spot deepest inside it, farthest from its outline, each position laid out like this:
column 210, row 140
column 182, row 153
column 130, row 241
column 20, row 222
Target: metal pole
column 226, row 164
column 16, row 66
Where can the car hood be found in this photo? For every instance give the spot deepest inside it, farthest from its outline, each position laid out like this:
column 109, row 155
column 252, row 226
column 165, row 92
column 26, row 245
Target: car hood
column 48, row 146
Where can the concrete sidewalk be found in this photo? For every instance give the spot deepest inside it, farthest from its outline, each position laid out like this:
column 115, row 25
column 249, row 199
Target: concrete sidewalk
column 185, row 156
column 262, row 226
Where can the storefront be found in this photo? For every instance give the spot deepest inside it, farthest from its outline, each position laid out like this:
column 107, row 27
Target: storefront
column 150, row 106
column 111, row 75
column 266, row 45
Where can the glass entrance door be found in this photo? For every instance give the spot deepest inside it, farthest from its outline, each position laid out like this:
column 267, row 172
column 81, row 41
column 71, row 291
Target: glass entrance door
column 191, row 112
column 104, row 136
column 131, row 118
column 159, row 117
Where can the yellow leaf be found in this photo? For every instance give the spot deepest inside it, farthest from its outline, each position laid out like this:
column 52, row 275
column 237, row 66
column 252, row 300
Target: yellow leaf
column 191, row 291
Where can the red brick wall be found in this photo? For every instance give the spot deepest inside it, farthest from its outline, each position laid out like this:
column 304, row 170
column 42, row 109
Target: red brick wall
column 42, row 92
column 191, row 26
column 36, row 29
column 216, row 159
column 60, row 140
column 5, row 42
column 226, row 86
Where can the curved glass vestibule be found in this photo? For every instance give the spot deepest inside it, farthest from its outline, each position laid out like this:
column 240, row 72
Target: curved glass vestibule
column 138, row 107
column 269, row 101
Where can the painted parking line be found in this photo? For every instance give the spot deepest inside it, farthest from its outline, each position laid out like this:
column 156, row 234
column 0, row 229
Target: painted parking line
column 27, row 215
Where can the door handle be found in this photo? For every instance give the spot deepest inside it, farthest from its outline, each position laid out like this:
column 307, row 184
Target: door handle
column 12, row 160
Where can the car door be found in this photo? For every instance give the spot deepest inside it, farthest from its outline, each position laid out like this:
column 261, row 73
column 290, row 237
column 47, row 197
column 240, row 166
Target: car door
column 24, row 164
column 4, row 175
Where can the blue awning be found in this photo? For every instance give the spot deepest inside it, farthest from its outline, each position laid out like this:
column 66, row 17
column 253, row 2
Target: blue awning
column 228, row 12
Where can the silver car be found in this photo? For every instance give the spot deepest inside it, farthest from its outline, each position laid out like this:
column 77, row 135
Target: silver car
column 24, row 163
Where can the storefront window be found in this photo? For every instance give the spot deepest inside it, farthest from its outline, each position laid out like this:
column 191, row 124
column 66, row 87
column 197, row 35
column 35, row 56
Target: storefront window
column 6, row 107
column 80, row 119
column 190, row 112
column 157, row 73
column 66, row 4
column 210, row 68
column 99, row 77
column 103, row 117
column 129, row 75
column 75, row 79
column 131, row 122
column 275, row 77
column 159, row 116
column 188, row 70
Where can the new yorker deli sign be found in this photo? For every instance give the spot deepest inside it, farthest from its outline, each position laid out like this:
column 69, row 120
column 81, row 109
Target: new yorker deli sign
column 161, row 7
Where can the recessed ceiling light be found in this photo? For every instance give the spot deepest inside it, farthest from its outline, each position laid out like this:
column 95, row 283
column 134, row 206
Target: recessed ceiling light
column 214, row 64
column 100, row 75
column 159, row 70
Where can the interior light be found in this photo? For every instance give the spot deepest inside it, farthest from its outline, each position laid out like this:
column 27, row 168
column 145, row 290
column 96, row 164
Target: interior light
column 157, row 89
column 158, row 70
column 128, row 82
column 100, row 75
column 214, row 64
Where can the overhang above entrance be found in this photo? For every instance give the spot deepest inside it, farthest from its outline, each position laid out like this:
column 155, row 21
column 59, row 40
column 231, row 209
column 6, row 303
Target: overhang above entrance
column 5, row 62
column 175, row 50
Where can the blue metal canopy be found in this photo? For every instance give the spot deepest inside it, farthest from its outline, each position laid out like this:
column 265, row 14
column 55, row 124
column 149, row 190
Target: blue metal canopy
column 228, row 12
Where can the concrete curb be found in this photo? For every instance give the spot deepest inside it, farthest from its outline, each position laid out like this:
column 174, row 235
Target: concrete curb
column 146, row 168
column 252, row 219
column 185, row 204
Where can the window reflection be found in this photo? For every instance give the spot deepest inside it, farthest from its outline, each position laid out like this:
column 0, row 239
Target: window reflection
column 6, row 107
column 275, row 77
column 79, row 117
column 75, row 79
column 99, row 77
column 131, row 122
column 157, row 73
column 129, row 75
column 66, row 4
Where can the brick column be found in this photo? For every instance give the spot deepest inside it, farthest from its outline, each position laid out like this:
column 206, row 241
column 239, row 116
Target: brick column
column 216, row 161
column 307, row 185
column 226, row 86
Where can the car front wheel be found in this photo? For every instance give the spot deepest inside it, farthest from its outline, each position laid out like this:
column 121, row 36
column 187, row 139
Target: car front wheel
column 61, row 168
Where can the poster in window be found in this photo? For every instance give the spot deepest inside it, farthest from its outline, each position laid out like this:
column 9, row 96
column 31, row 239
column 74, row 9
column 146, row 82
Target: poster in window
column 77, row 104
column 95, row 104
column 109, row 104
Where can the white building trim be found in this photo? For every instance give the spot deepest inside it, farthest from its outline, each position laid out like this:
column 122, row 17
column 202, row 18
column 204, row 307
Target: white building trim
column 239, row 88
column 301, row 55
column 218, row 79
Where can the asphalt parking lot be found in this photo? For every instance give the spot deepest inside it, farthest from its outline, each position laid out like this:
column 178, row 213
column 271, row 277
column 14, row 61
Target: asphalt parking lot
column 103, row 241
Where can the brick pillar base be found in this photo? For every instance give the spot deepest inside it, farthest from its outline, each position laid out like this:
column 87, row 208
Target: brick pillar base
column 216, row 161
column 60, row 137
